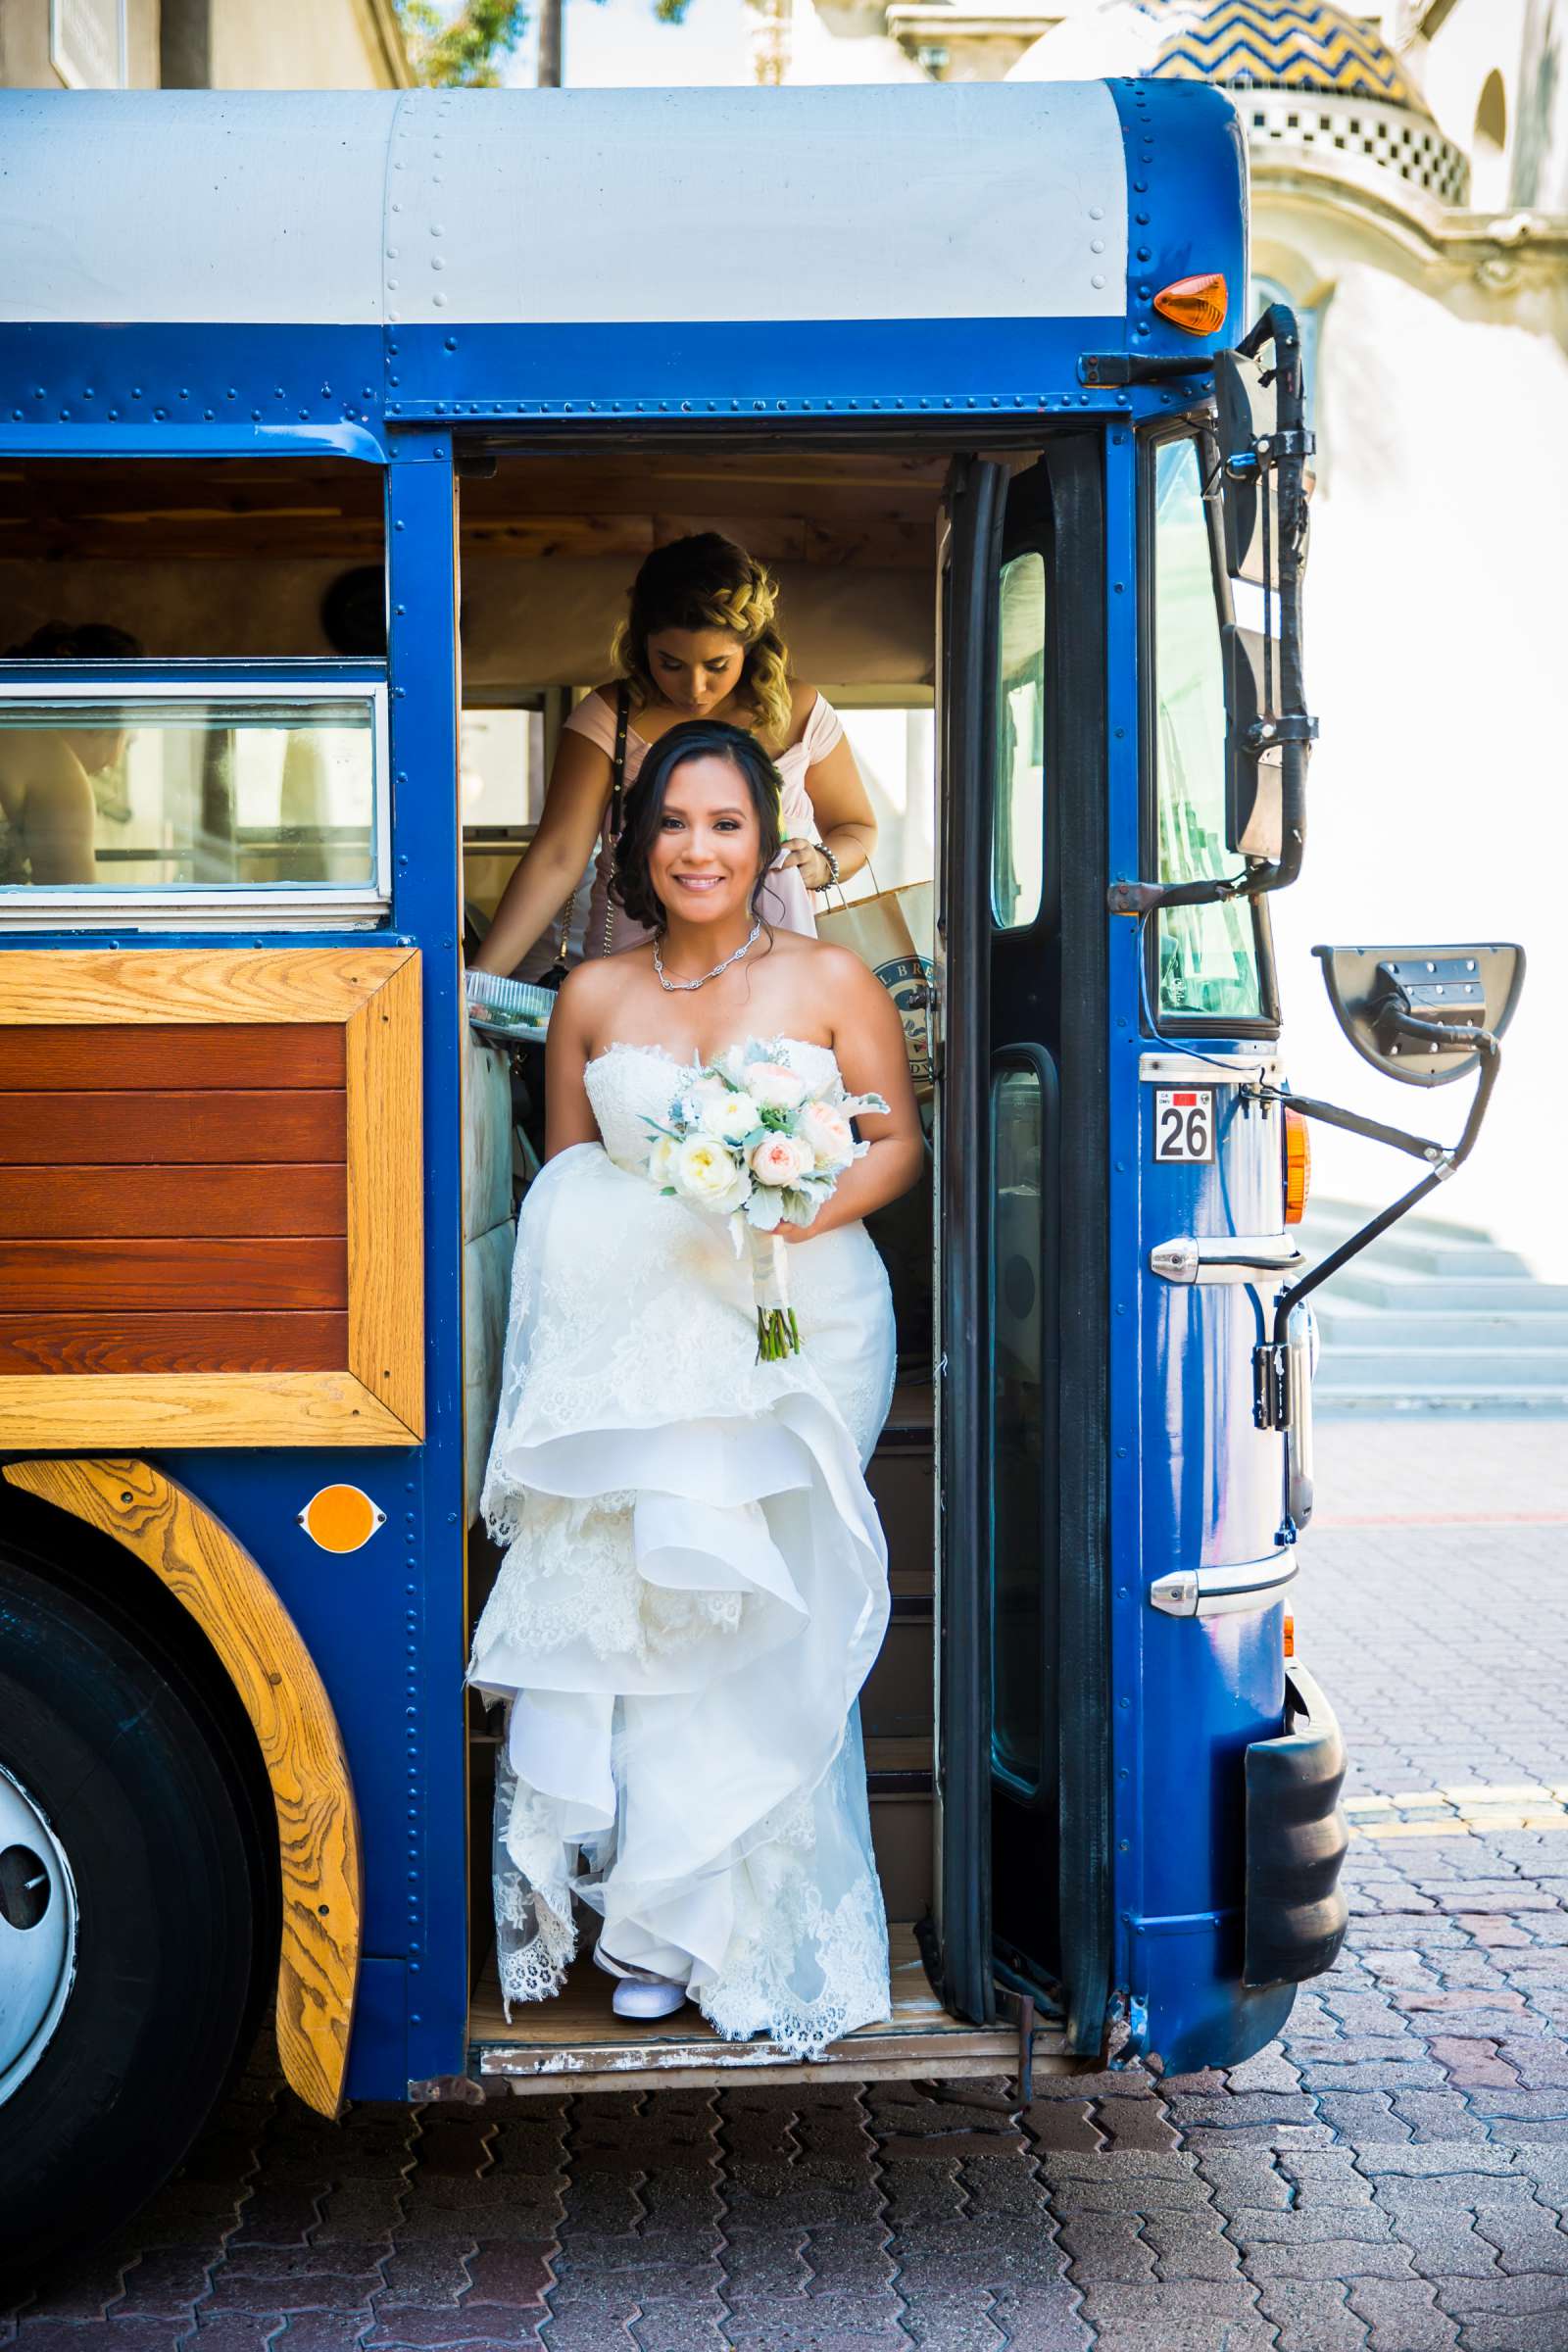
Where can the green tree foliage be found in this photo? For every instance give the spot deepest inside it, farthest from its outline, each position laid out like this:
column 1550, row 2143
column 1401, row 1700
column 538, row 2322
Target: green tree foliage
column 461, row 49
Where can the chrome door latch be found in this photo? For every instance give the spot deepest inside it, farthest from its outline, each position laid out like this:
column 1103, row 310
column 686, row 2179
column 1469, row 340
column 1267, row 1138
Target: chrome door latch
column 1226, row 1257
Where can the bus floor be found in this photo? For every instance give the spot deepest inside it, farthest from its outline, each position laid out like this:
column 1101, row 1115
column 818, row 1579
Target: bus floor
column 576, row 2036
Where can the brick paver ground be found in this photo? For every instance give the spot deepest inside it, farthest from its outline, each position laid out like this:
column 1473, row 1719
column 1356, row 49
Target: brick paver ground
column 1391, row 2178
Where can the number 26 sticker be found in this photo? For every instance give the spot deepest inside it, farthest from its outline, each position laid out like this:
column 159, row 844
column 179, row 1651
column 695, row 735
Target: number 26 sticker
column 1184, row 1122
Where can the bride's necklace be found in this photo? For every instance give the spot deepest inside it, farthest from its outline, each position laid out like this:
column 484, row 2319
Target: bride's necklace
column 666, row 982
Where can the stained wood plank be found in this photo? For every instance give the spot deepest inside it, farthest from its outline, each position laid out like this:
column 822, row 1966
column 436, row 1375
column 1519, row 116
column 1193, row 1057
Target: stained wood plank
column 144, row 1276
column 149, row 987
column 106, row 1203
column 159, row 1128
column 78, row 1413
column 88, row 1343
column 386, row 1197
column 267, row 1660
column 226, row 1055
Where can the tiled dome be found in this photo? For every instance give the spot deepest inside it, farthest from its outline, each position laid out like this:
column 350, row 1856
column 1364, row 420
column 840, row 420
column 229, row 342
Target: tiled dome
column 1303, row 77
column 1275, row 44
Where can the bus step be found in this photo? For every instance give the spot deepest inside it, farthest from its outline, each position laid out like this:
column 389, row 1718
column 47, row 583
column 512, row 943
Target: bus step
column 575, row 2041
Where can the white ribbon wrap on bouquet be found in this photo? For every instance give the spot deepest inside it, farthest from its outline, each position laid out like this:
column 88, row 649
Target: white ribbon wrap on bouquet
column 770, row 1272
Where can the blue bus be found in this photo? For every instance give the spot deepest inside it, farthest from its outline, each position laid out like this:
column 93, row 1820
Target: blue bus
column 332, row 429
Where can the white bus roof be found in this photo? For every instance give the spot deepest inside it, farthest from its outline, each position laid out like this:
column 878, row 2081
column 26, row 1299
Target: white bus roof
column 544, row 206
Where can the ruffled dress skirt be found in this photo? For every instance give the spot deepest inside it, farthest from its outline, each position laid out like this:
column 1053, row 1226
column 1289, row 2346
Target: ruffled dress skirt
column 693, row 1592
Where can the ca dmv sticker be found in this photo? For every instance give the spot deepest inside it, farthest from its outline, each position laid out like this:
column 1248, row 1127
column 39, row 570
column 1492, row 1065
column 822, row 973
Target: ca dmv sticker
column 1184, row 1122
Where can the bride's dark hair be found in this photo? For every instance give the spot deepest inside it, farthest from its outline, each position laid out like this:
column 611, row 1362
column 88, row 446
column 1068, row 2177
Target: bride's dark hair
column 695, row 739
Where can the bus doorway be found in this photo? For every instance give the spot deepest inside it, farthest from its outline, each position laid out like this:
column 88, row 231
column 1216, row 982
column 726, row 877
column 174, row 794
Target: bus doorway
column 859, row 540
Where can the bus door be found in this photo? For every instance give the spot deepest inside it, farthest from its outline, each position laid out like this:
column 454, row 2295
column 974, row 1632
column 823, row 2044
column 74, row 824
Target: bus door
column 1023, row 1730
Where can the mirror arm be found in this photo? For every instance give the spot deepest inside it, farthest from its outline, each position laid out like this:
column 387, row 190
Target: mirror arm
column 1444, row 1159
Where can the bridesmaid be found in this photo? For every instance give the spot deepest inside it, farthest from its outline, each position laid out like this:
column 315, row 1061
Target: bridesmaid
column 700, row 641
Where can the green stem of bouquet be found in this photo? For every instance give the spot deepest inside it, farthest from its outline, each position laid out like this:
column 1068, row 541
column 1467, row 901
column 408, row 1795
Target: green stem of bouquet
column 778, row 1334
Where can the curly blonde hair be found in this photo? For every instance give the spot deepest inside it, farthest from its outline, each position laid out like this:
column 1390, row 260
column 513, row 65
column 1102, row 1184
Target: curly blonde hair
column 708, row 582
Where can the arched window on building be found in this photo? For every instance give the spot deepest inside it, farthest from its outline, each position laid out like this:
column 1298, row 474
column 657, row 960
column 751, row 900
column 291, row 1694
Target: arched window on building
column 1489, row 148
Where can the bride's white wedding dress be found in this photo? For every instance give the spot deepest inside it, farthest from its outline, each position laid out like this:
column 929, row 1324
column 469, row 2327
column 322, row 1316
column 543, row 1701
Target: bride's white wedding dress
column 694, row 1590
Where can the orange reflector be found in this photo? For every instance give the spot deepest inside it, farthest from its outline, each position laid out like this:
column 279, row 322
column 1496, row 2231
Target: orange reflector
column 1197, row 305
column 341, row 1518
column 1298, row 1166
column 1289, row 1635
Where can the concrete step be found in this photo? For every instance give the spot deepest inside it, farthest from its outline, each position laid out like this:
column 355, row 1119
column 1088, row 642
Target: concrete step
column 1379, row 1403
column 1343, row 1216
column 1349, row 1322
column 1385, row 1366
column 1369, row 1282
column 1427, row 1246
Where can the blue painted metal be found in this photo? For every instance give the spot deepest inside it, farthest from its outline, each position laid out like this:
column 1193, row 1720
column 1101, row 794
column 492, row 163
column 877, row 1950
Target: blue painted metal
column 1191, row 1482
column 1187, row 207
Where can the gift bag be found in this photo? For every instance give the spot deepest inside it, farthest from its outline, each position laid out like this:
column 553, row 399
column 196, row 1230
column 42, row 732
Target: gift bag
column 893, row 934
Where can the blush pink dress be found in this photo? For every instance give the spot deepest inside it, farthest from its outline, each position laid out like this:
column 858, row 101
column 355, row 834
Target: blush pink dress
column 786, row 902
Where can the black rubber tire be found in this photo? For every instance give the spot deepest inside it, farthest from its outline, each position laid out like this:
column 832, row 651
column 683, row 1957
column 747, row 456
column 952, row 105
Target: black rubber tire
column 135, row 1763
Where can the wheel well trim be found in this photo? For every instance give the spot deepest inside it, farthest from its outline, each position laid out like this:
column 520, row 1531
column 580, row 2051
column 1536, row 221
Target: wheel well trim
column 263, row 1654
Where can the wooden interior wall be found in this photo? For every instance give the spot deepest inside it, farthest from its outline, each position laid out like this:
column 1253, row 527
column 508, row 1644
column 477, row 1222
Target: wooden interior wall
column 173, row 1199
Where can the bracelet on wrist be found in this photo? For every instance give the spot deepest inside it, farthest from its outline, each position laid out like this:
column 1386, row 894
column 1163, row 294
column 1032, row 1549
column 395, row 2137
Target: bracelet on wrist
column 832, row 867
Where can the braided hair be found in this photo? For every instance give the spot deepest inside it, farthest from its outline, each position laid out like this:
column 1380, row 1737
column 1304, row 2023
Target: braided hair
column 707, row 582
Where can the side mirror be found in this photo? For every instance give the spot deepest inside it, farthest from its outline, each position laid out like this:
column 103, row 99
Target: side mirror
column 1262, row 484
column 1417, row 1013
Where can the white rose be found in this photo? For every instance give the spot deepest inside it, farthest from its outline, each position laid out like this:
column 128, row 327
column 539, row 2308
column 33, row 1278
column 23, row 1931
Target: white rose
column 774, row 1087
column 731, row 1117
column 829, row 1133
column 708, row 1175
column 661, row 1160
column 780, row 1159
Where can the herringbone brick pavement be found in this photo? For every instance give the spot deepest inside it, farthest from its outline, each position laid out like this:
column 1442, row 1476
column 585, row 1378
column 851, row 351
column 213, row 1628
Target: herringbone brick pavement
column 1390, row 2179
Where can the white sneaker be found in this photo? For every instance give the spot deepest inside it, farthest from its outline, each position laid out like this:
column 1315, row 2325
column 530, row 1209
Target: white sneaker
column 645, row 1997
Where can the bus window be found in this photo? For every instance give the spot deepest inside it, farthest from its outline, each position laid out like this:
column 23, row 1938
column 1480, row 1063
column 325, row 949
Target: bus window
column 1023, row 1506
column 1208, row 963
column 148, row 793
column 1018, row 855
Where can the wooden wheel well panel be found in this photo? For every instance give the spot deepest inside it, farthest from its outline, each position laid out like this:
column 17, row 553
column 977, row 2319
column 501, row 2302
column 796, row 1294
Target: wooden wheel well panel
column 259, row 1651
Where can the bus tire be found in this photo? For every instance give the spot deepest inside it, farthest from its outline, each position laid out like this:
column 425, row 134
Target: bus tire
column 144, row 1812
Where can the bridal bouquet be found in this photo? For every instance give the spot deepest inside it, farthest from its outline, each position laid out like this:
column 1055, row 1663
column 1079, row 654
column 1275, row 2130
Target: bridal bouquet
column 750, row 1140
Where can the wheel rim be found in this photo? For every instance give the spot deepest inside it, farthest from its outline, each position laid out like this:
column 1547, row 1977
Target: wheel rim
column 37, row 1934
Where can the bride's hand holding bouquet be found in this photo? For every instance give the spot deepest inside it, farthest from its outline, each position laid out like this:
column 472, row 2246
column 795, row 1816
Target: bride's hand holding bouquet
column 749, row 1140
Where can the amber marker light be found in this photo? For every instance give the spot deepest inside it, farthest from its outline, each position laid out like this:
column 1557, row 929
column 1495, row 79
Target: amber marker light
column 1197, row 305
column 341, row 1518
column 1298, row 1166
column 1289, row 1635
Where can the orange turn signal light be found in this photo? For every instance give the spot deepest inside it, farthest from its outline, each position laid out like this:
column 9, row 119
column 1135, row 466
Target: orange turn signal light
column 1298, row 1166
column 1197, row 305
column 1289, row 1635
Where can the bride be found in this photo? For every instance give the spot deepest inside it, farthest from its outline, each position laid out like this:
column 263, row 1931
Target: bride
column 695, row 1582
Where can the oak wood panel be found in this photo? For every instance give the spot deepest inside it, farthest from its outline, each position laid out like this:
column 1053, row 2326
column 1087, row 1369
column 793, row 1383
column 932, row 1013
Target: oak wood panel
column 150, row 990
column 228, row 1056
column 168, row 1129
column 71, row 1412
column 88, row 987
column 260, row 1646
column 59, row 1277
column 306, row 1197
column 386, row 1197
column 113, row 1341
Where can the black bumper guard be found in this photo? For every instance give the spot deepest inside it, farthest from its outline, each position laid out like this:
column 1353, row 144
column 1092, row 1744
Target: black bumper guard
column 1296, row 1842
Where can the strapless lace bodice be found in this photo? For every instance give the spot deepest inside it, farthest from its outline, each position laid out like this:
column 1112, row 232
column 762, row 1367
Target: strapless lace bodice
column 629, row 1085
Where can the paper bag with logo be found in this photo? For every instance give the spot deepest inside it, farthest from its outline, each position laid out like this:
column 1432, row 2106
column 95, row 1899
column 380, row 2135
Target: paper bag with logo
column 893, row 934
